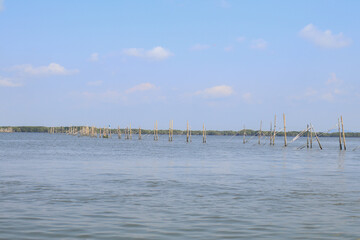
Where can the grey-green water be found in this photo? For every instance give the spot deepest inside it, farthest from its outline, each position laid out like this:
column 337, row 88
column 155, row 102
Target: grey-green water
column 65, row 187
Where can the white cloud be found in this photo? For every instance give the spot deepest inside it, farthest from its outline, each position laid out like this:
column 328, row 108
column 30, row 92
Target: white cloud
column 331, row 89
column 141, row 87
column 94, row 57
column 51, row 69
column 157, row 53
column 216, row 92
column 325, row 39
column 95, row 83
column 259, row 44
column 200, row 47
column 240, row 39
column 134, row 52
column 7, row 82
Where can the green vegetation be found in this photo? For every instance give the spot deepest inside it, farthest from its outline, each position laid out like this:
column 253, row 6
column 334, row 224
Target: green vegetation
column 249, row 132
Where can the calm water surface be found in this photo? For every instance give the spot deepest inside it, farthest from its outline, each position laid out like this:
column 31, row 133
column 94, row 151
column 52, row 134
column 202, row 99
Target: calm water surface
column 66, row 187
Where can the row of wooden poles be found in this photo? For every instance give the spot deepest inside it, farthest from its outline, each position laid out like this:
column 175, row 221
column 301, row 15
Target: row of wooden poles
column 310, row 133
column 106, row 132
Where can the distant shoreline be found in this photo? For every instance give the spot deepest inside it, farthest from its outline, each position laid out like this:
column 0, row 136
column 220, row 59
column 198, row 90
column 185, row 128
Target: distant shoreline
column 249, row 132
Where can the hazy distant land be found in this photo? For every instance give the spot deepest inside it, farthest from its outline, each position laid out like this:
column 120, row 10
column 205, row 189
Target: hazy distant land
column 249, row 132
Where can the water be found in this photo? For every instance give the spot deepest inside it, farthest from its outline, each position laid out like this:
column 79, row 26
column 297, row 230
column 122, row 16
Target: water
column 65, row 187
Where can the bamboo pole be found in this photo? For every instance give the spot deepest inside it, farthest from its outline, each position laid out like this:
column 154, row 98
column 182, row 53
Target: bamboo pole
column 308, row 136
column 343, row 131
column 340, row 141
column 317, row 138
column 204, row 133
column 311, row 135
column 285, row 143
column 119, row 132
column 260, row 132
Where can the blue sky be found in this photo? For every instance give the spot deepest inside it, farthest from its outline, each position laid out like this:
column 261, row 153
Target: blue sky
column 222, row 62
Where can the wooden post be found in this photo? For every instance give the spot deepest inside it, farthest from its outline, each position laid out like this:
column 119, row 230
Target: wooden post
column 100, row 136
column 119, row 132
column 343, row 131
column 311, row 135
column 274, row 130
column 307, row 143
column 285, row 143
column 244, row 131
column 317, row 139
column 204, row 133
column 260, row 132
column 340, row 141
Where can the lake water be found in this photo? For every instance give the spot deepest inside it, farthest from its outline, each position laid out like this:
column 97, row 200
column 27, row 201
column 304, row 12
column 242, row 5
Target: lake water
column 65, row 187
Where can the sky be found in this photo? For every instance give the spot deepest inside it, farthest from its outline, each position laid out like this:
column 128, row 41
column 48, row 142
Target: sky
column 220, row 62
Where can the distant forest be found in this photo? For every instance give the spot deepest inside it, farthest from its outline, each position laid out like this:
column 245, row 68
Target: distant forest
column 249, row 132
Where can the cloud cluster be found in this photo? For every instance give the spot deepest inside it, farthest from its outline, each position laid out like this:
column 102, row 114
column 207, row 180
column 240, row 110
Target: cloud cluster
column 331, row 89
column 325, row 39
column 51, row 69
column 157, row 53
column 141, row 87
column 216, row 92
column 7, row 82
